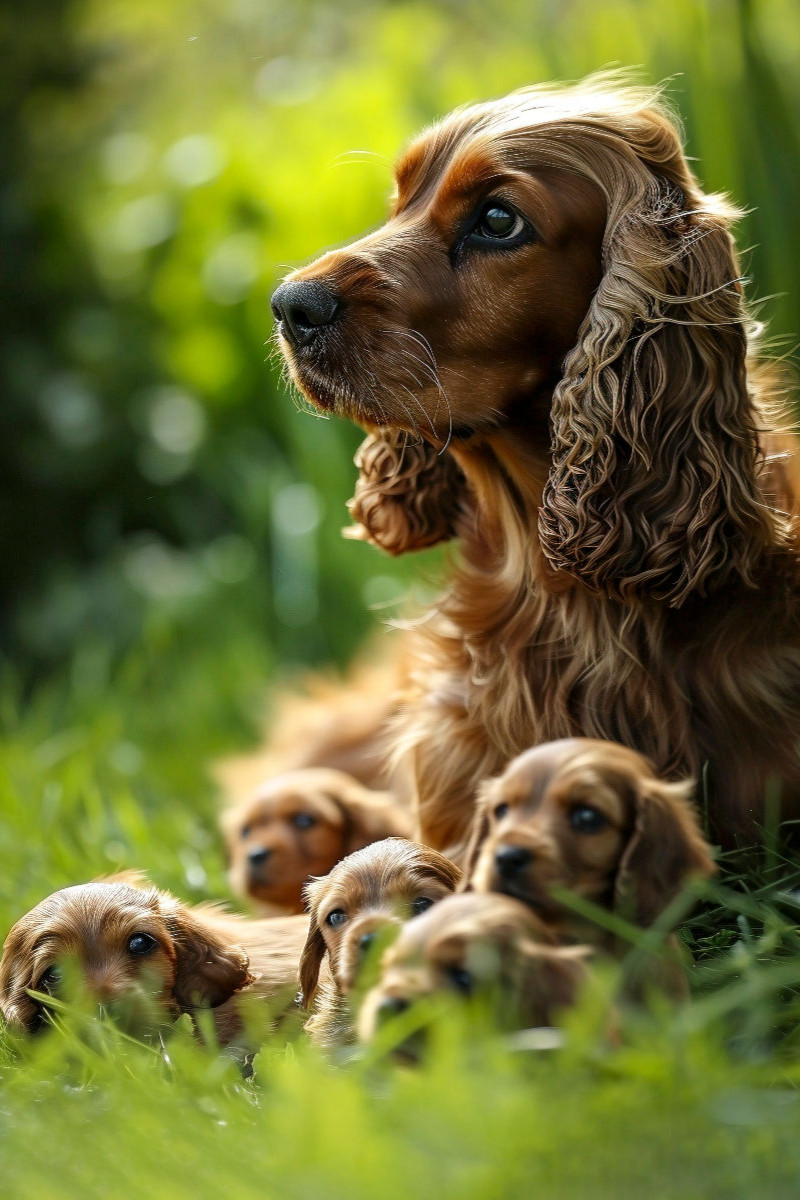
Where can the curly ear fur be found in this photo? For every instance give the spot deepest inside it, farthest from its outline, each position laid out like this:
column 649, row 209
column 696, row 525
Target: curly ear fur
column 652, row 489
column 552, row 977
column 478, row 833
column 19, row 1011
column 665, row 849
column 311, row 959
column 208, row 969
column 408, row 495
column 369, row 817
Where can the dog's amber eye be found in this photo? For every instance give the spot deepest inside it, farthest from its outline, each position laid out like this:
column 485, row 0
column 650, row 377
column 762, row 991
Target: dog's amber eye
column 303, row 820
column 336, row 918
column 461, row 980
column 585, row 819
column 500, row 811
column 421, row 904
column 141, row 943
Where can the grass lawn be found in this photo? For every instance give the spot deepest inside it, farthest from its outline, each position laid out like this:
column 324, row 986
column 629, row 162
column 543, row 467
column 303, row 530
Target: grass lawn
column 108, row 768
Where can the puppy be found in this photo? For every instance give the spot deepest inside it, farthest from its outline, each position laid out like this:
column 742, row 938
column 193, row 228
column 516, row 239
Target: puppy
column 474, row 945
column 590, row 817
column 369, row 891
column 301, row 824
column 147, row 957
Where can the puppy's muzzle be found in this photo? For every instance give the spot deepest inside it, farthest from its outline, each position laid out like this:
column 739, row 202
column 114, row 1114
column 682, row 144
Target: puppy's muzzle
column 511, row 860
column 302, row 309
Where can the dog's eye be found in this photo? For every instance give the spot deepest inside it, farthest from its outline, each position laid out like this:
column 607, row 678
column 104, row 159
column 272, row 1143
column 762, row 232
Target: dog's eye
column 49, row 981
column 497, row 221
column 500, row 811
column 461, row 980
column 336, row 918
column 141, row 943
column 303, row 820
column 246, row 831
column 421, row 904
column 585, row 819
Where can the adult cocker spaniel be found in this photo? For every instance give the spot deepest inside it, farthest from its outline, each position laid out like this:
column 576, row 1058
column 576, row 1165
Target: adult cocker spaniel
column 549, row 347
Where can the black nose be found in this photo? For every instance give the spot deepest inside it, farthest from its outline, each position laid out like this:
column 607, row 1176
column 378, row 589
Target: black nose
column 392, row 1006
column 302, row 309
column 366, row 940
column 510, row 859
column 258, row 857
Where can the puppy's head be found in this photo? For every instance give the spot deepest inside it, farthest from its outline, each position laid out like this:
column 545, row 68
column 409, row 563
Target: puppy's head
column 301, row 824
column 384, row 884
column 592, row 817
column 475, row 945
column 139, row 952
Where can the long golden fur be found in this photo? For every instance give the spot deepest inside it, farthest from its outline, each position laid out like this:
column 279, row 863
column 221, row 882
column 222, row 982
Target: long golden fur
column 472, row 945
column 299, row 824
column 191, row 958
column 621, row 572
column 366, row 894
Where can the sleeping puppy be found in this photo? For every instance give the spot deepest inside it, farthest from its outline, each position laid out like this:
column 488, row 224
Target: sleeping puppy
column 590, row 817
column 300, row 824
column 147, row 957
column 363, row 897
column 473, row 945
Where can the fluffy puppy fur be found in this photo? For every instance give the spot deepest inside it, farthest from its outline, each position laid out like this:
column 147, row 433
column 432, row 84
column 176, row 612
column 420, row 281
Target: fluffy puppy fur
column 590, row 817
column 555, row 304
column 489, row 946
column 364, row 895
column 301, row 824
column 147, row 957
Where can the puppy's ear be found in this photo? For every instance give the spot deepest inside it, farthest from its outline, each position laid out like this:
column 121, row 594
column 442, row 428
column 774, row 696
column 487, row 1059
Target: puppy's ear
column 441, row 867
column 369, row 817
column 315, row 949
column 478, row 833
column 210, row 968
column 19, row 1012
column 408, row 495
column 552, row 977
column 665, row 849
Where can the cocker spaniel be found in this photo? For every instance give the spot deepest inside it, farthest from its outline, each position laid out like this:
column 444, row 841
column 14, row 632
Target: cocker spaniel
column 485, row 947
column 301, row 824
column 592, row 819
column 549, row 347
column 147, row 957
column 365, row 896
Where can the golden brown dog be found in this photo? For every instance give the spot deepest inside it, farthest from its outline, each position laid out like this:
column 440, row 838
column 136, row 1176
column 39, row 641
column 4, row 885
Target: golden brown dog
column 553, row 318
column 301, row 824
column 472, row 945
column 591, row 818
column 147, row 957
column 376, row 888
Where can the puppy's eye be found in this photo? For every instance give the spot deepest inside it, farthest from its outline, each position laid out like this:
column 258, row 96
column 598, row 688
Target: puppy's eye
column 141, row 943
column 49, row 981
column 336, row 918
column 497, row 221
column 421, row 904
column 461, row 980
column 585, row 819
column 246, row 830
column 500, row 811
column 303, row 820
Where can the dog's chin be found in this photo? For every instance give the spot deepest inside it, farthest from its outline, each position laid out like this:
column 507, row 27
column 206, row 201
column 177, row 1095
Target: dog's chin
column 522, row 890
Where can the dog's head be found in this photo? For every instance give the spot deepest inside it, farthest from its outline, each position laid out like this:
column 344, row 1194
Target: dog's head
column 488, row 947
column 382, row 885
column 590, row 817
column 138, row 951
column 298, row 825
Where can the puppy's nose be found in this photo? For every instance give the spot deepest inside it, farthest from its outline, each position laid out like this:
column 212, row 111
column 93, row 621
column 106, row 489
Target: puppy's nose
column 258, row 856
column 511, row 859
column 303, row 308
column 392, row 1006
column 366, row 940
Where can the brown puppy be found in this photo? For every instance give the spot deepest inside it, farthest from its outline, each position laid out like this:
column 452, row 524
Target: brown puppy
column 590, row 817
column 301, row 824
column 382, row 885
column 477, row 945
column 146, row 956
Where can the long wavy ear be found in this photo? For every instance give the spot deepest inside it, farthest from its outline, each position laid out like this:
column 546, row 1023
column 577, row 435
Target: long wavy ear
column 209, row 969
column 478, row 833
column 666, row 848
column 408, row 495
column 652, row 490
column 20, row 1012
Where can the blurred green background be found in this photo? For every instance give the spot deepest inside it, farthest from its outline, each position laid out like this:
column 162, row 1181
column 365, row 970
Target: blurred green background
column 163, row 165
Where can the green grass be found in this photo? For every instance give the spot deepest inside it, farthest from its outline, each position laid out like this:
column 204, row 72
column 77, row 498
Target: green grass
column 107, row 768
